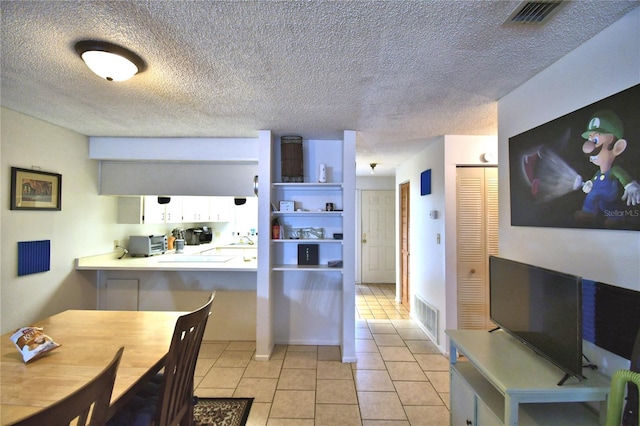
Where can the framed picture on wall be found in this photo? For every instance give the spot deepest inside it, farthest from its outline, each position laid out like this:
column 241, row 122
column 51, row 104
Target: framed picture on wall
column 581, row 170
column 425, row 182
column 35, row 190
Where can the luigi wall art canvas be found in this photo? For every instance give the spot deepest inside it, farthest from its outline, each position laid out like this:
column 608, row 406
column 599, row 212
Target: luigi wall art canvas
column 581, row 170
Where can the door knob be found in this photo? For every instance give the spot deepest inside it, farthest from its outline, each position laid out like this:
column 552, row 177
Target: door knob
column 364, row 240
column 473, row 271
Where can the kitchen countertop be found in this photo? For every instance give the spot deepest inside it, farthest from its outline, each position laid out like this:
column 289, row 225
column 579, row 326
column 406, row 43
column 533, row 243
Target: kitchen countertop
column 232, row 257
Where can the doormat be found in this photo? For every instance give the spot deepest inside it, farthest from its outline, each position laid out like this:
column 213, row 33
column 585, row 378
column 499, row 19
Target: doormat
column 221, row 411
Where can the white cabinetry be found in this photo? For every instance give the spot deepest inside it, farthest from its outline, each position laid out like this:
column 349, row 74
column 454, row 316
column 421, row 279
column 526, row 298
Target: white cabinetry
column 130, row 210
column 221, row 209
column 147, row 210
column 308, row 304
column 464, row 404
column 195, row 209
column 155, row 212
column 505, row 383
column 119, row 295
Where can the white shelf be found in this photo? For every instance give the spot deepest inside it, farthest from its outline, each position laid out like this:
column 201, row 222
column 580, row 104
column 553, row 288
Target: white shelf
column 307, row 185
column 314, row 268
column 307, row 241
column 308, row 213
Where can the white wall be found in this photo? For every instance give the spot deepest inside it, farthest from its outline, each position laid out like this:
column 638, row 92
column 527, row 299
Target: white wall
column 375, row 183
column 432, row 264
column 571, row 83
column 427, row 265
column 77, row 228
column 85, row 226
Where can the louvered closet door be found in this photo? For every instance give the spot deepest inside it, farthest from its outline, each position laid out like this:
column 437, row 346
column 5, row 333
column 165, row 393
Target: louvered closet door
column 477, row 238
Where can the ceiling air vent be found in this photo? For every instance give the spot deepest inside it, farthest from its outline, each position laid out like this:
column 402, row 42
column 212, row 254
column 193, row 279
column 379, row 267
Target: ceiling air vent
column 533, row 12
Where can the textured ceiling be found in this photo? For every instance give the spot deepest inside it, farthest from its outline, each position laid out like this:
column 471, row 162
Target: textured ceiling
column 400, row 72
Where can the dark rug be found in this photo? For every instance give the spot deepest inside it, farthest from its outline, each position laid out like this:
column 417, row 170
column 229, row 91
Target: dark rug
column 222, row 411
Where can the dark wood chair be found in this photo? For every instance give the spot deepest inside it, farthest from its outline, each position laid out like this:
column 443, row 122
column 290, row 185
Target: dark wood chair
column 168, row 400
column 90, row 402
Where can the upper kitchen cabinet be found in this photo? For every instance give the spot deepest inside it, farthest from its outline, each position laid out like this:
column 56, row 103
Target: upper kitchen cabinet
column 154, row 212
column 207, row 209
column 195, row 209
column 148, row 210
column 221, row 209
column 130, row 210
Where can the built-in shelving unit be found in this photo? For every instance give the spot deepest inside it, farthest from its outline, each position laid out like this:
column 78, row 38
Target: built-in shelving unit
column 309, row 303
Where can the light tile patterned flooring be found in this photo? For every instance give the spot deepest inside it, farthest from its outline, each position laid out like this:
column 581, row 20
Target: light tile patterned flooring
column 377, row 301
column 400, row 378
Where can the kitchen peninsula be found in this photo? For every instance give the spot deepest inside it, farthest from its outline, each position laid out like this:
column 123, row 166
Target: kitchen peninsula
column 275, row 302
column 239, row 258
column 173, row 281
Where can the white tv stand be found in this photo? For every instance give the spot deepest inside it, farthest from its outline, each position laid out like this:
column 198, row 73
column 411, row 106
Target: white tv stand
column 504, row 382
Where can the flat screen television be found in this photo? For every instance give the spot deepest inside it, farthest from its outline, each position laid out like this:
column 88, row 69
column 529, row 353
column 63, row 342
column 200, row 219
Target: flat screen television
column 541, row 308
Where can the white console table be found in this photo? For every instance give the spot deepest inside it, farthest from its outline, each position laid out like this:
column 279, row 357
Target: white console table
column 504, row 380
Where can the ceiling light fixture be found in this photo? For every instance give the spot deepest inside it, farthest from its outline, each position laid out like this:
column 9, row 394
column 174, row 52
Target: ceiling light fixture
column 373, row 167
column 109, row 61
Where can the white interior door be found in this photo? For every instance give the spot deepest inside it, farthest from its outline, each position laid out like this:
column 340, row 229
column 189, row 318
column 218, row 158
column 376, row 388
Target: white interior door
column 378, row 237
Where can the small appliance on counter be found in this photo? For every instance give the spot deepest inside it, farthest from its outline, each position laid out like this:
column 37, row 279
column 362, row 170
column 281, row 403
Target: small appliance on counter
column 193, row 236
column 147, row 245
column 179, row 233
column 206, row 236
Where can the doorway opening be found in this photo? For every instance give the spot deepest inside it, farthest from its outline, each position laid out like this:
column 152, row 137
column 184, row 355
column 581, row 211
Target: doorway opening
column 376, row 293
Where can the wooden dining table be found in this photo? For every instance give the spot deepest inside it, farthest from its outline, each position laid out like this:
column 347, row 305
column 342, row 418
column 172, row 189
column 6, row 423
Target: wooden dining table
column 88, row 341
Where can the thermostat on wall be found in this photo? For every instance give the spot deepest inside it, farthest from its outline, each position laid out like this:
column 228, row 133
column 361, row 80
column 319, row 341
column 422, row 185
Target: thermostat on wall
column 287, row 206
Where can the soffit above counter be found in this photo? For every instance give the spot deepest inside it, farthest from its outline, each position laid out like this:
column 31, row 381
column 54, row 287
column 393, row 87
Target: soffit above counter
column 231, row 150
column 176, row 178
column 175, row 166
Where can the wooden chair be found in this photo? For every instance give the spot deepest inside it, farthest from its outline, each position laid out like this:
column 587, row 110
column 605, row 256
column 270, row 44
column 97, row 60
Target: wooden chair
column 171, row 402
column 90, row 402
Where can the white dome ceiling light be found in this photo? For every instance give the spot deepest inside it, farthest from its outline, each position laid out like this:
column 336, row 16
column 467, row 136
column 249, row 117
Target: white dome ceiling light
column 109, row 61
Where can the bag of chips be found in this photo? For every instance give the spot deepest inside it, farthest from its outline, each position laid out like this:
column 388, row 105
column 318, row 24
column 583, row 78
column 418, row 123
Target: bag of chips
column 32, row 342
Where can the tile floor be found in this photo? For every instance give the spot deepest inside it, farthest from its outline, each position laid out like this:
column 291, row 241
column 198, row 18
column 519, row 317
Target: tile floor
column 400, row 378
column 377, row 301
